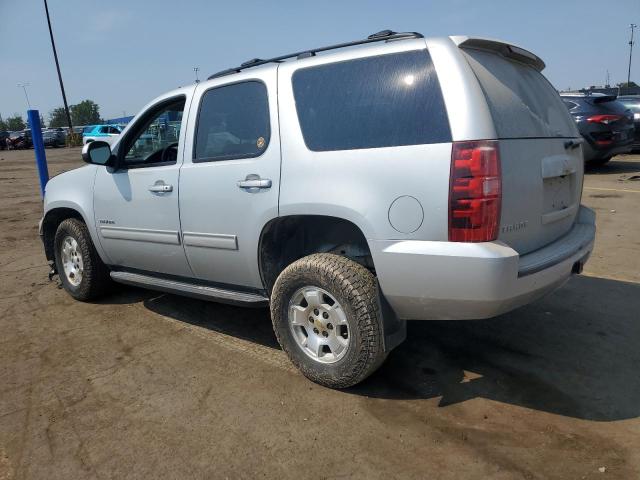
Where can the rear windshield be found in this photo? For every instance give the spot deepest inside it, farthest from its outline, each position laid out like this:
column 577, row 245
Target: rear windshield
column 522, row 102
column 632, row 104
column 373, row 102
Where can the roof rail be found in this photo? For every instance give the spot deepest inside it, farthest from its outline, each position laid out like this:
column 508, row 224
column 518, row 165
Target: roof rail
column 383, row 35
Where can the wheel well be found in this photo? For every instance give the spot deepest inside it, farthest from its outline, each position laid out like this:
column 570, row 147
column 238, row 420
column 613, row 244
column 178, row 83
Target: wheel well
column 287, row 239
column 52, row 219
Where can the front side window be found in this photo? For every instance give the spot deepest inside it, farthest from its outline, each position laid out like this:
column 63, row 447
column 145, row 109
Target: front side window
column 233, row 122
column 155, row 140
column 383, row 101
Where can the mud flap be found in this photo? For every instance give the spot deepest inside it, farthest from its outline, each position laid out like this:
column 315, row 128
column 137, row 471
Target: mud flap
column 394, row 330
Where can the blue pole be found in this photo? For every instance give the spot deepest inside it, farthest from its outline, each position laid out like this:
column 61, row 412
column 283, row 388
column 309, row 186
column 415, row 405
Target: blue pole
column 38, row 148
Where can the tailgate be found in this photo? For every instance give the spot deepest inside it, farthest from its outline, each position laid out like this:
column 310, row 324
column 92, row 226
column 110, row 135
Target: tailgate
column 541, row 190
column 542, row 166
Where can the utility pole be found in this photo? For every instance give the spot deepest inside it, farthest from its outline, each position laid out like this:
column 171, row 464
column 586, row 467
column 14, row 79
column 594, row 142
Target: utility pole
column 24, row 87
column 55, row 56
column 195, row 69
column 607, row 83
column 632, row 26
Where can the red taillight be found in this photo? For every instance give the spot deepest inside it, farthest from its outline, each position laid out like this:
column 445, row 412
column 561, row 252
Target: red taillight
column 605, row 119
column 475, row 191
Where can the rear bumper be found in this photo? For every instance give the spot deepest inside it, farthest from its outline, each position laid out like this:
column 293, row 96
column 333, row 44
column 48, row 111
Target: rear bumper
column 456, row 281
column 597, row 152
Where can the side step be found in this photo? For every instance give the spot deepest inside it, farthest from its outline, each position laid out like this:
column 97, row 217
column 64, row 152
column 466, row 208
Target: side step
column 203, row 292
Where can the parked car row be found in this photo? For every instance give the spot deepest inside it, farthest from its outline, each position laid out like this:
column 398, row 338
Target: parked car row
column 18, row 140
column 56, row 137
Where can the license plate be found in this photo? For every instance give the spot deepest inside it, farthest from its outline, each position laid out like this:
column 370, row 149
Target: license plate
column 558, row 193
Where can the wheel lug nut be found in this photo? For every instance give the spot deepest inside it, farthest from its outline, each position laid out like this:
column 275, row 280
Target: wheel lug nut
column 315, row 311
column 325, row 315
column 315, row 330
column 325, row 333
column 330, row 326
column 311, row 319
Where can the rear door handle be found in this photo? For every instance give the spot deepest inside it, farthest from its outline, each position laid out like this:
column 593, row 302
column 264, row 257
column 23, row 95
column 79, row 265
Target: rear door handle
column 161, row 187
column 254, row 181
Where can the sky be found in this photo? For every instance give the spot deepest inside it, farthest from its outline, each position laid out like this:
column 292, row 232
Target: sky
column 123, row 53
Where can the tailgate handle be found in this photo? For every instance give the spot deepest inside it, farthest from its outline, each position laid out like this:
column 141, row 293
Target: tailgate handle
column 572, row 144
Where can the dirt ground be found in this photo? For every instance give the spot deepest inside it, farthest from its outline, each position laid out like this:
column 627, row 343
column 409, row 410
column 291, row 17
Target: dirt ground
column 148, row 385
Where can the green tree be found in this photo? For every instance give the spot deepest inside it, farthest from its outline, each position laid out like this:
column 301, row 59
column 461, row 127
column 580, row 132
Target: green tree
column 15, row 123
column 57, row 118
column 86, row 112
column 42, row 124
column 627, row 85
column 3, row 125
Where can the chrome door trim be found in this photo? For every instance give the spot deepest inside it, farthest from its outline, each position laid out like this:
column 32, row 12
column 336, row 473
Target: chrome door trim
column 210, row 240
column 169, row 237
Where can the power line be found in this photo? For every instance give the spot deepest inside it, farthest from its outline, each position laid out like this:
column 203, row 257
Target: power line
column 55, row 56
column 632, row 26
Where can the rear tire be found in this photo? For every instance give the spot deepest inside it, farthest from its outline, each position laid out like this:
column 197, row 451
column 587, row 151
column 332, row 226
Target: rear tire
column 82, row 273
column 326, row 317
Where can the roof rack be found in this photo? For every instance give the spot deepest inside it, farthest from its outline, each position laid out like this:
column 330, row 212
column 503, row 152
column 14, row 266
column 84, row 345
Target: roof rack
column 383, row 35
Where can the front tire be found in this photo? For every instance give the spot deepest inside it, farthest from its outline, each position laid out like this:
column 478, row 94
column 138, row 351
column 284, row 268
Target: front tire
column 326, row 317
column 82, row 273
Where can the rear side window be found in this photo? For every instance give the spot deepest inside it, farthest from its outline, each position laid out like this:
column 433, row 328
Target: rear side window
column 233, row 122
column 522, row 102
column 382, row 101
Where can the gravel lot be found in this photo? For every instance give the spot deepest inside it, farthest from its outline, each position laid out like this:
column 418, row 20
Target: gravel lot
column 150, row 385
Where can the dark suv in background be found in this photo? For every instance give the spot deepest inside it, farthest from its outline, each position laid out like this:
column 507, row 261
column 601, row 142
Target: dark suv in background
column 605, row 124
column 632, row 102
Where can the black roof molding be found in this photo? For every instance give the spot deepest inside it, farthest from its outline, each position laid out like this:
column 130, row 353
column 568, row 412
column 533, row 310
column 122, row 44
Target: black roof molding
column 383, row 35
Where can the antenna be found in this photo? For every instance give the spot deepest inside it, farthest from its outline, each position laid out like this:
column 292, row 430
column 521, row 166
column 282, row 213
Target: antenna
column 196, row 69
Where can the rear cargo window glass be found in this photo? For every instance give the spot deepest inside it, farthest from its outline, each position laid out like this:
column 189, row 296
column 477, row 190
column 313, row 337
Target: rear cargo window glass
column 522, row 102
column 372, row 102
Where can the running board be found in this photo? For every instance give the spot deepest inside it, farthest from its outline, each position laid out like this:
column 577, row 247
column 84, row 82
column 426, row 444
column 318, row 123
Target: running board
column 203, row 292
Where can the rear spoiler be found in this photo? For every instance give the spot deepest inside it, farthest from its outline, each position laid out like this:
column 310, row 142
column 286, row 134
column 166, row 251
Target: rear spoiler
column 505, row 49
column 601, row 98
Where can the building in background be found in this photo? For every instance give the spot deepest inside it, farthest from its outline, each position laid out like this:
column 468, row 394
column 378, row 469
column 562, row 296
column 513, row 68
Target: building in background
column 117, row 121
column 608, row 90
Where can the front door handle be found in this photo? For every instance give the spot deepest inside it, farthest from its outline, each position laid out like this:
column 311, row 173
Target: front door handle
column 254, row 181
column 161, row 187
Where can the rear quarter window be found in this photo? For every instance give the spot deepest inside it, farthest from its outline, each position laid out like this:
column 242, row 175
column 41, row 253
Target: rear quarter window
column 382, row 101
column 522, row 102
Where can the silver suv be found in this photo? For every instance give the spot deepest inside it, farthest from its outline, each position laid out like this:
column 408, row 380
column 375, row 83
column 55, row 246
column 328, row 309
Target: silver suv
column 350, row 188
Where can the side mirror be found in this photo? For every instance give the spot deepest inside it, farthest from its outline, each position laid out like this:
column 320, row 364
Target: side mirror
column 97, row 153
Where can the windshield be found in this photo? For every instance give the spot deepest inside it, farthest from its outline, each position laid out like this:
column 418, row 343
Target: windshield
column 522, row 102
